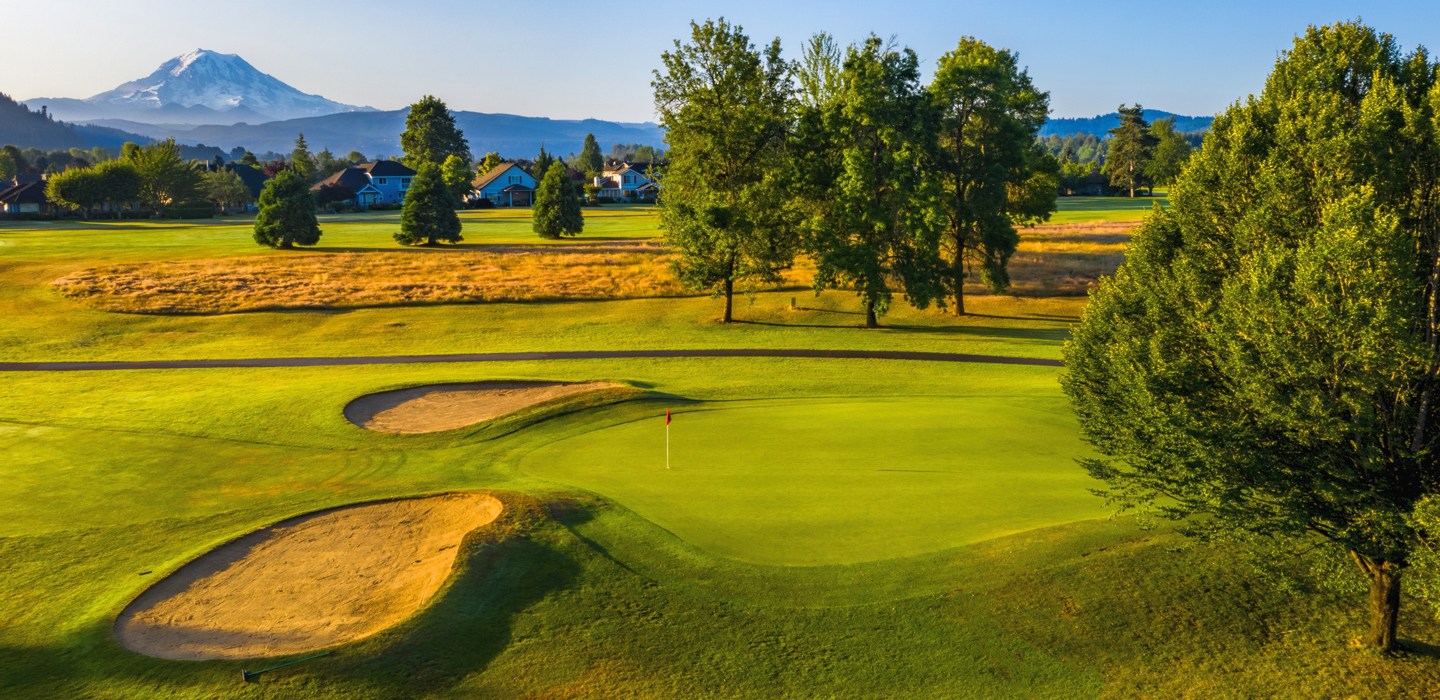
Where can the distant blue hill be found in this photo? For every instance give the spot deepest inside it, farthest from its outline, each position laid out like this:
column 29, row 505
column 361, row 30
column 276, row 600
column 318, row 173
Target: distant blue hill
column 1101, row 125
column 378, row 133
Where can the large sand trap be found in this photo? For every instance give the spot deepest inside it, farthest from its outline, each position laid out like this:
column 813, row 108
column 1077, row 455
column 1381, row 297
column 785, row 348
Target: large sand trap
column 431, row 409
column 306, row 583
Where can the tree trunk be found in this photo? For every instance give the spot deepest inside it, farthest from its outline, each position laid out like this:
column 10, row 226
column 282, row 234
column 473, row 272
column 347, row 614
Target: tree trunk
column 959, row 284
column 729, row 300
column 1384, row 600
column 870, row 320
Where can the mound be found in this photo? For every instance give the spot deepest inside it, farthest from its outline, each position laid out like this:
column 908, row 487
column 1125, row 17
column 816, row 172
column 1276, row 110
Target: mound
column 438, row 407
column 306, row 583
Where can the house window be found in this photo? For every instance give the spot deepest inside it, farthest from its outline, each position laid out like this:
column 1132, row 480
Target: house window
column 404, row 183
column 629, row 179
column 380, row 181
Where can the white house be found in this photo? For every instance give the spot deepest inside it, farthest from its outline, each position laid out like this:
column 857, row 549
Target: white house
column 627, row 182
column 378, row 182
column 506, row 185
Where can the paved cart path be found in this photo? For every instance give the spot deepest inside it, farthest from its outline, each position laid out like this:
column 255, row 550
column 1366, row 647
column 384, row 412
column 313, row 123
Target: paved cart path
column 520, row 357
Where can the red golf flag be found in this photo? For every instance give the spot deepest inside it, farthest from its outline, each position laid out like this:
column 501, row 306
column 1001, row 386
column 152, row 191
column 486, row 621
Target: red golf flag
column 667, row 416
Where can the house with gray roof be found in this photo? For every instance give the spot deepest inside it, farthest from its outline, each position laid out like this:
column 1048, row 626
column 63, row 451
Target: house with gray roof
column 378, row 182
column 505, row 185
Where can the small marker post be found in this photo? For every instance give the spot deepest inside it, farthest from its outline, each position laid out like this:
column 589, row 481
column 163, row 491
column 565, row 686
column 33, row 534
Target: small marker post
column 667, row 438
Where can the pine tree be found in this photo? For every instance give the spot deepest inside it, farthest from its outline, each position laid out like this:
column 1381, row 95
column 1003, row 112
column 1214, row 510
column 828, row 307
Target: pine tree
column 1131, row 144
column 301, row 159
column 428, row 215
column 287, row 212
column 591, row 161
column 557, row 204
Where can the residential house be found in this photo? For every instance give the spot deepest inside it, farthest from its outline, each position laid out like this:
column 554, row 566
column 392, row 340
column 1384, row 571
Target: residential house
column 254, row 178
column 506, row 185
column 379, row 182
column 627, row 182
column 24, row 196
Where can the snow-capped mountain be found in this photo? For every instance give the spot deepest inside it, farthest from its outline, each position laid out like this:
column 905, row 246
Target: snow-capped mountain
column 200, row 87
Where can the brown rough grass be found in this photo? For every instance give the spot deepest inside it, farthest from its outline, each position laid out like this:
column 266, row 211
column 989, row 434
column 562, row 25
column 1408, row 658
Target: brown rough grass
column 369, row 279
column 1067, row 259
column 1052, row 260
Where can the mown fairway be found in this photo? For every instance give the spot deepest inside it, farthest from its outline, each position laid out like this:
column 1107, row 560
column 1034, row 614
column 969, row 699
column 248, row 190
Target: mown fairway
column 852, row 528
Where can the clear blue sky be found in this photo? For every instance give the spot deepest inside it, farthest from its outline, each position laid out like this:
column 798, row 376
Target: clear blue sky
column 568, row 59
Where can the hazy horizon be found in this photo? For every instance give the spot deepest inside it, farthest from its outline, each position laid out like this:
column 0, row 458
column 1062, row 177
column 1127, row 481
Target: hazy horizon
column 590, row 63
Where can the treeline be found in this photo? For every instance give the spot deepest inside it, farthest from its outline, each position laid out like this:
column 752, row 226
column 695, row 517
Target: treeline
column 892, row 186
column 1156, row 157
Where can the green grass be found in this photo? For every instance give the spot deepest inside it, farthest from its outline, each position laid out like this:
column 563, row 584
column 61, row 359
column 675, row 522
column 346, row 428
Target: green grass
column 1075, row 210
column 830, row 528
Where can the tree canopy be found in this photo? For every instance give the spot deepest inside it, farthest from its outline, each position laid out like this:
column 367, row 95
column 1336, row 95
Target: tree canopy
column 1130, row 149
column 872, row 218
column 591, row 160
column 165, row 177
column 287, row 212
column 428, row 215
column 431, row 135
column 723, row 103
column 557, row 204
column 993, row 175
column 1268, row 356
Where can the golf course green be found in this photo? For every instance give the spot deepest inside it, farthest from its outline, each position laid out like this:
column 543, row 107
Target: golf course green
column 826, row 527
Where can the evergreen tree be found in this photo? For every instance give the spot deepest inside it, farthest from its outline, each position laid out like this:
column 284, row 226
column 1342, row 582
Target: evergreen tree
column 1265, row 359
column 591, row 161
column 428, row 215
column 993, row 175
column 557, row 204
column 287, row 212
column 1131, row 144
column 541, row 166
column 431, row 135
column 720, row 97
column 302, row 160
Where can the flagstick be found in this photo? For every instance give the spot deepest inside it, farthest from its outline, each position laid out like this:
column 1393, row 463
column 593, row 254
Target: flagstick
column 667, row 442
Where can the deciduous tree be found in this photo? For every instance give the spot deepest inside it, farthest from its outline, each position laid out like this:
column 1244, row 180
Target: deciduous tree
column 1268, row 356
column 165, row 177
column 224, row 188
column 993, row 175
column 431, row 135
column 723, row 104
column 874, row 217
column 455, row 171
column 1170, row 152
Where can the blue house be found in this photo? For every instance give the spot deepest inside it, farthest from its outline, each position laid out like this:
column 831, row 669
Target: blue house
column 506, row 185
column 380, row 182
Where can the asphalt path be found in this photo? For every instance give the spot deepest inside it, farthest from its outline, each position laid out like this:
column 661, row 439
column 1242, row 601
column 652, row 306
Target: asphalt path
column 519, row 357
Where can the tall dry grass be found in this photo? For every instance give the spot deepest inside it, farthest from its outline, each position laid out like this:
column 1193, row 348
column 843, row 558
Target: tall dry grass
column 369, row 279
column 1052, row 260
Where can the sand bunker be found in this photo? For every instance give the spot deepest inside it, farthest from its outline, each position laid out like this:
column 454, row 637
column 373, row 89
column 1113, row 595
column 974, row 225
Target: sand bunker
column 306, row 583
column 430, row 409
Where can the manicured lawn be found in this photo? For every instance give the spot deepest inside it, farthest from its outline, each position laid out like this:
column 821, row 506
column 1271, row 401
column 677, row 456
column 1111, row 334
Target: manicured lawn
column 829, row 528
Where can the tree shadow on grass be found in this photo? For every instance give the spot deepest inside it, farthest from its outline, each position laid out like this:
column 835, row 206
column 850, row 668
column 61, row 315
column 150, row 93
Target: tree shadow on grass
column 465, row 630
column 1041, row 334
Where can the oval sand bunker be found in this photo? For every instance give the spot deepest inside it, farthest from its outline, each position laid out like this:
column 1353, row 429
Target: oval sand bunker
column 306, row 583
column 439, row 407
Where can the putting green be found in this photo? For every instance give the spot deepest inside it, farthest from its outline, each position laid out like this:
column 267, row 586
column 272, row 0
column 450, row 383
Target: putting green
column 810, row 482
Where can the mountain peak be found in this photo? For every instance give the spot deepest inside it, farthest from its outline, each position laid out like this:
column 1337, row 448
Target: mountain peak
column 204, row 86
